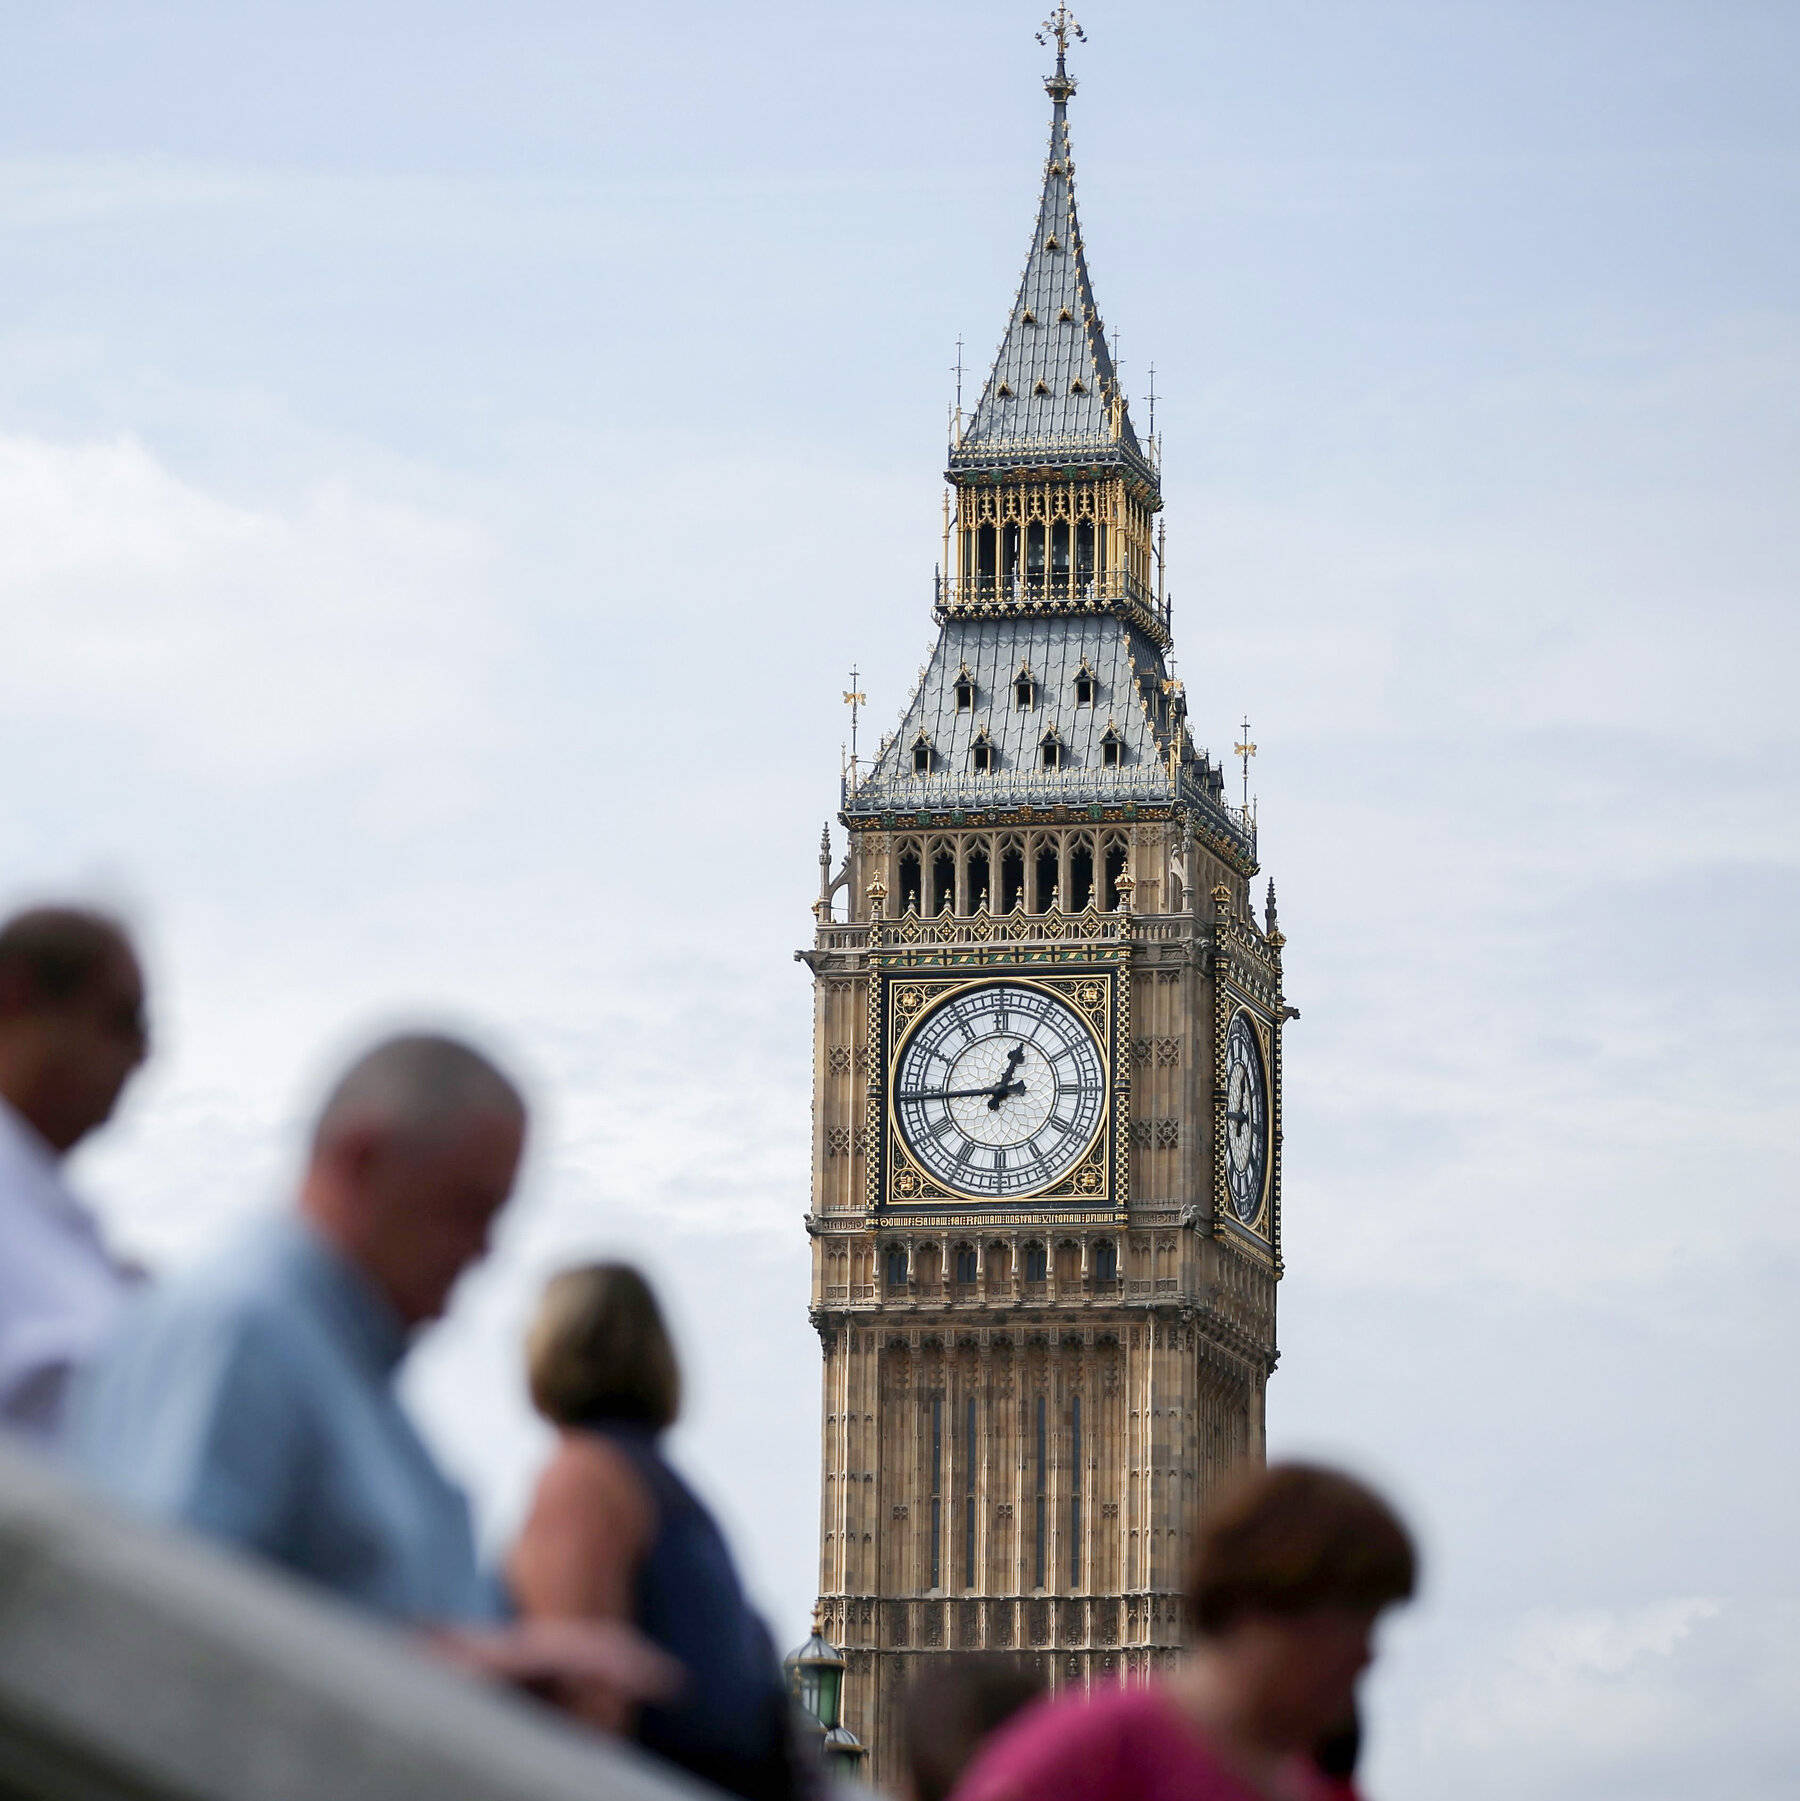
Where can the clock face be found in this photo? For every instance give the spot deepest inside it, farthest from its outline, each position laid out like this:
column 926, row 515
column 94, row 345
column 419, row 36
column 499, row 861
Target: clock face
column 1246, row 1119
column 998, row 1090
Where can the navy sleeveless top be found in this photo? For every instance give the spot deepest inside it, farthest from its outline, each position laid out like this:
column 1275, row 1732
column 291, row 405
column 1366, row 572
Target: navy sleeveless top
column 729, row 1722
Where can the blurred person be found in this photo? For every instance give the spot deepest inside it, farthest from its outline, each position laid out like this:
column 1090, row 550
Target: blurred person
column 952, row 1707
column 72, row 1030
column 1336, row 1755
column 1290, row 1572
column 614, row 1533
column 253, row 1399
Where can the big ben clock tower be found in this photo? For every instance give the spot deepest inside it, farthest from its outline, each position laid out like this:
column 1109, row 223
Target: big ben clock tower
column 1046, row 1199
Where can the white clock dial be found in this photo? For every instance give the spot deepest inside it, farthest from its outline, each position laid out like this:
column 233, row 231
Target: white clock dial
column 1246, row 1119
column 999, row 1090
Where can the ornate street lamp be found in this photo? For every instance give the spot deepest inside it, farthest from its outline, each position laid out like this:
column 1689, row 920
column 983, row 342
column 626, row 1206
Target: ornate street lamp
column 816, row 1678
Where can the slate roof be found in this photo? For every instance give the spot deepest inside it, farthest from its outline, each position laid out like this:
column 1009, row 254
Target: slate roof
column 1053, row 385
column 1085, row 425
column 1128, row 673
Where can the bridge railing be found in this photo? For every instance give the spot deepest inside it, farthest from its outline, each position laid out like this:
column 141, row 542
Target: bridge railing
column 136, row 1665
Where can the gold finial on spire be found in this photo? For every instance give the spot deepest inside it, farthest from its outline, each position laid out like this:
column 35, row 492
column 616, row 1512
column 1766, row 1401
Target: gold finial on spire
column 1061, row 25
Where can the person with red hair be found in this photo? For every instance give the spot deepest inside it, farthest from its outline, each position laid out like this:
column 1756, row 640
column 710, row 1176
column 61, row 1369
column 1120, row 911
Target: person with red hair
column 1290, row 1572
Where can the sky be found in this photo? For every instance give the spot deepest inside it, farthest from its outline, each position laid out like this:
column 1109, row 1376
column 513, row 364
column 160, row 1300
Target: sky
column 451, row 458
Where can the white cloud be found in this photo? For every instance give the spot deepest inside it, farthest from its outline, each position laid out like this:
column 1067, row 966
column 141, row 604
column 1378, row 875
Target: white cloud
column 232, row 644
column 1596, row 1702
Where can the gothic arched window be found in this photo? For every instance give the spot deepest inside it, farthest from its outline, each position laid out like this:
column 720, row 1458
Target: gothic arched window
column 1037, row 1262
column 1106, row 1261
column 911, row 879
column 965, row 1264
column 896, row 1266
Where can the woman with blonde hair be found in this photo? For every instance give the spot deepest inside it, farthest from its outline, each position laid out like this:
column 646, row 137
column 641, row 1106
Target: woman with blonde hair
column 614, row 1533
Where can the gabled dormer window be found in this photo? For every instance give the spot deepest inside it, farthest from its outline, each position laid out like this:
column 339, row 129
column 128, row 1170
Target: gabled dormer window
column 922, row 755
column 965, row 692
column 1078, row 386
column 1050, row 750
column 1084, row 685
column 982, row 758
column 1004, row 391
column 1024, row 690
column 1042, row 387
column 1050, row 242
column 1112, row 749
column 1028, row 317
column 1065, row 316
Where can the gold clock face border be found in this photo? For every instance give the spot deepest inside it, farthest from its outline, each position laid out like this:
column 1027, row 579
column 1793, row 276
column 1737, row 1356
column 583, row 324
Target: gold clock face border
column 942, row 988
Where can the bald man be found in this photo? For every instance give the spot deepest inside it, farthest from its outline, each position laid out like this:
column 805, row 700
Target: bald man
column 71, row 1032
column 253, row 1401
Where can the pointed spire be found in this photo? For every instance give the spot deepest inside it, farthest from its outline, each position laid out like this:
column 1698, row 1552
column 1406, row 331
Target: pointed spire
column 1054, row 386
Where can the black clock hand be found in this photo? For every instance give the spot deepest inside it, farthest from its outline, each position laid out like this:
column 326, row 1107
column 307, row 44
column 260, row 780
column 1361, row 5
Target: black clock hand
column 1006, row 1085
column 960, row 1094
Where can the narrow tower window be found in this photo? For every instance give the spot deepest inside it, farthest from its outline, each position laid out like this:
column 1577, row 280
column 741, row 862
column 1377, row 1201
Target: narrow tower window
column 969, row 1492
column 965, row 1265
column 1106, row 1261
column 1037, row 1263
column 1075, row 1492
column 1115, row 867
column 1041, row 1492
column 1049, row 873
column 1081, row 874
column 1012, row 877
column 896, row 1268
column 937, row 1490
column 980, row 899
column 943, row 882
column 910, row 881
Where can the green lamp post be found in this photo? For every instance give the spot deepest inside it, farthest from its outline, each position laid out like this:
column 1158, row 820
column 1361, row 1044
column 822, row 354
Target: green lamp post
column 816, row 1678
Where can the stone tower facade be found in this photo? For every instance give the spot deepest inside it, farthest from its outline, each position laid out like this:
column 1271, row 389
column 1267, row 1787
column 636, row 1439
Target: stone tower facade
column 1046, row 1201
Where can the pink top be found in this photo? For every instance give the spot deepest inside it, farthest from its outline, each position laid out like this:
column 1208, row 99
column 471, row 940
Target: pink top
column 1119, row 1744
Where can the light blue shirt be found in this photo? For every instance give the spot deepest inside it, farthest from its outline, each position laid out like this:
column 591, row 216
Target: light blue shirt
column 253, row 1401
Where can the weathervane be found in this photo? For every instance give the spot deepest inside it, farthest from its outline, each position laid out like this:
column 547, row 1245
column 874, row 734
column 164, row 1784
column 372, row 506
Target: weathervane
column 1246, row 750
column 1061, row 25
column 854, row 699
